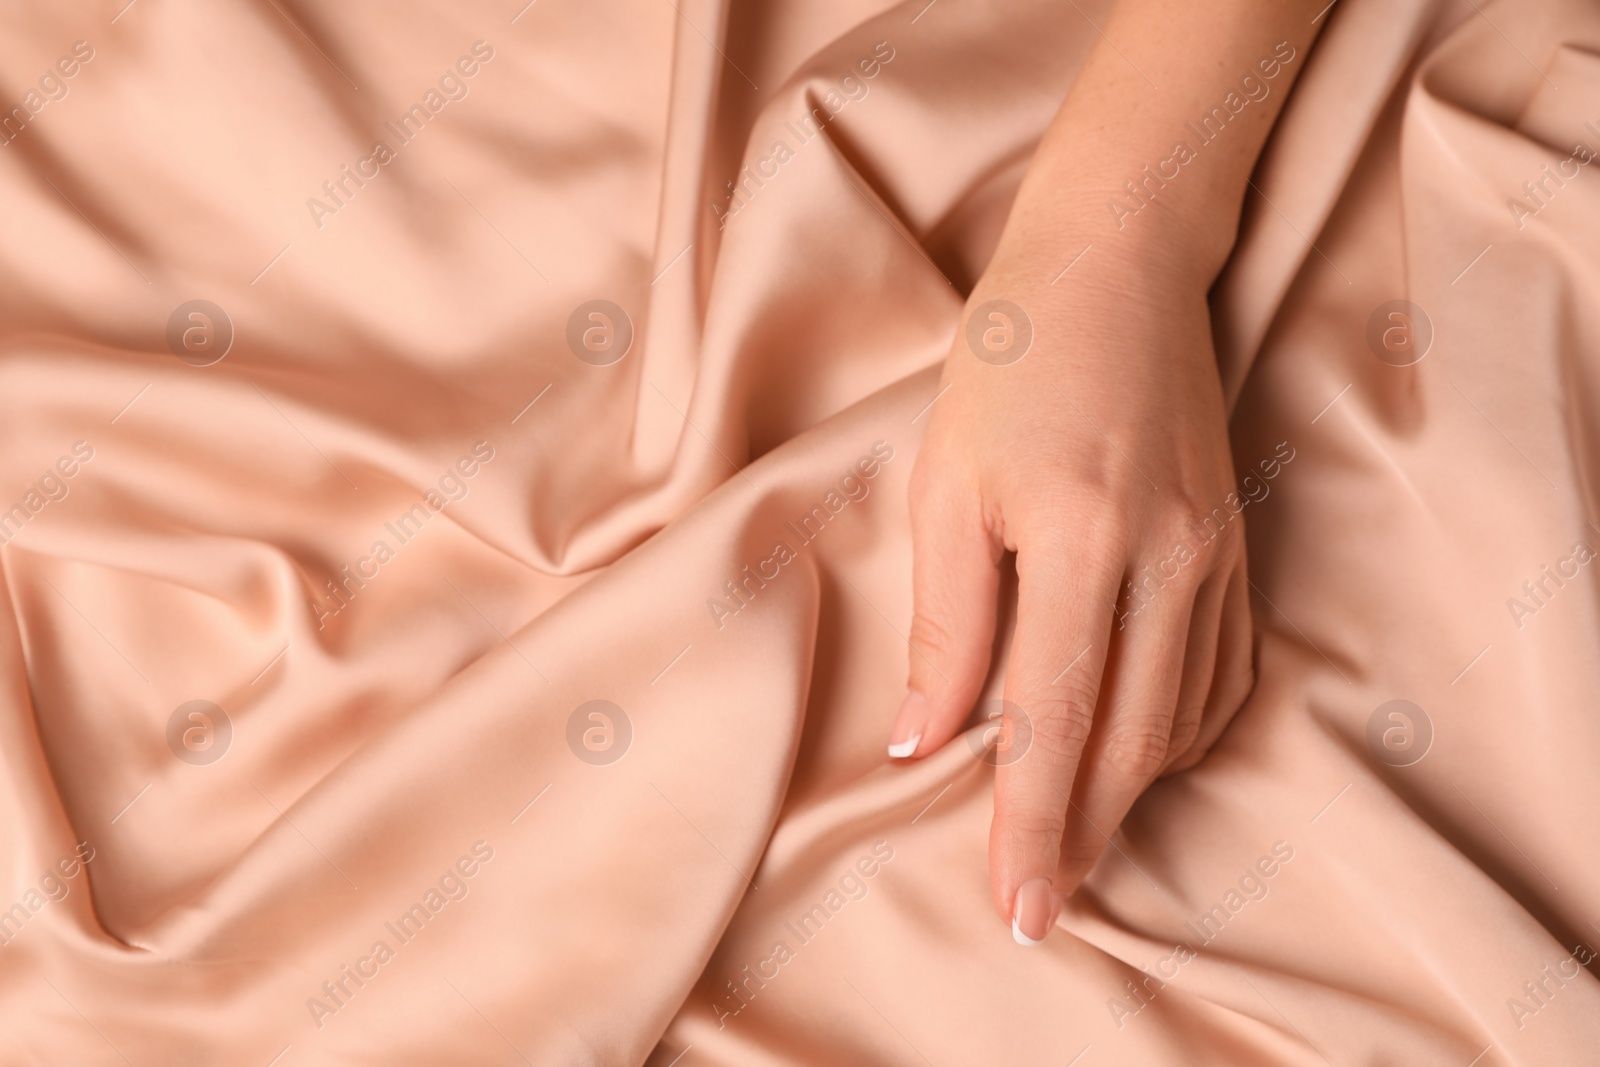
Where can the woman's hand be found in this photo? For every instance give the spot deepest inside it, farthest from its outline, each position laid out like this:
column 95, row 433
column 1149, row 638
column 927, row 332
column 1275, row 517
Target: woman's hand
column 1100, row 457
column 1082, row 427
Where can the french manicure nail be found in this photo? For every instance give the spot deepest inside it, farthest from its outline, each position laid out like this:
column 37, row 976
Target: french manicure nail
column 1030, row 918
column 905, row 748
column 909, row 726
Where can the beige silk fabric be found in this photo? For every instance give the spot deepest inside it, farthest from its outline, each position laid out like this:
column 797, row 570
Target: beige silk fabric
column 399, row 832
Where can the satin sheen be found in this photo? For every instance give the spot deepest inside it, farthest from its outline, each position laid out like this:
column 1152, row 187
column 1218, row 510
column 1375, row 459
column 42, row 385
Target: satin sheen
column 751, row 882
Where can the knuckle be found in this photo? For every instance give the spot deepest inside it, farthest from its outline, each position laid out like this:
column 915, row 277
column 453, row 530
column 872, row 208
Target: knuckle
column 1177, row 524
column 932, row 642
column 1105, row 534
column 1199, row 494
column 1189, row 757
column 1029, row 828
column 1139, row 748
column 929, row 634
column 1084, row 524
column 933, row 637
column 1180, row 553
column 1185, row 730
column 1061, row 727
column 1206, row 525
column 1079, row 851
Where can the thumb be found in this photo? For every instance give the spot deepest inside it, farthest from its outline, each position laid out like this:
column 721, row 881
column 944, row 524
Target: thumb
column 955, row 582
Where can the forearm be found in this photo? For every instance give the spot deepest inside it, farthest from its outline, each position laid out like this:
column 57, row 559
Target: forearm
column 1151, row 152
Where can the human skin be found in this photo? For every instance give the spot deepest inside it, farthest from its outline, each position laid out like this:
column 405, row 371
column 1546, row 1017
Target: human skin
column 1095, row 454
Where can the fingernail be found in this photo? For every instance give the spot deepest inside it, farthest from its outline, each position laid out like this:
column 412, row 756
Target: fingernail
column 909, row 725
column 1030, row 920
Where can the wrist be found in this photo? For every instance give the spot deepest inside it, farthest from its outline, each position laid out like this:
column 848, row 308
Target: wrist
column 1055, row 258
column 1178, row 229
